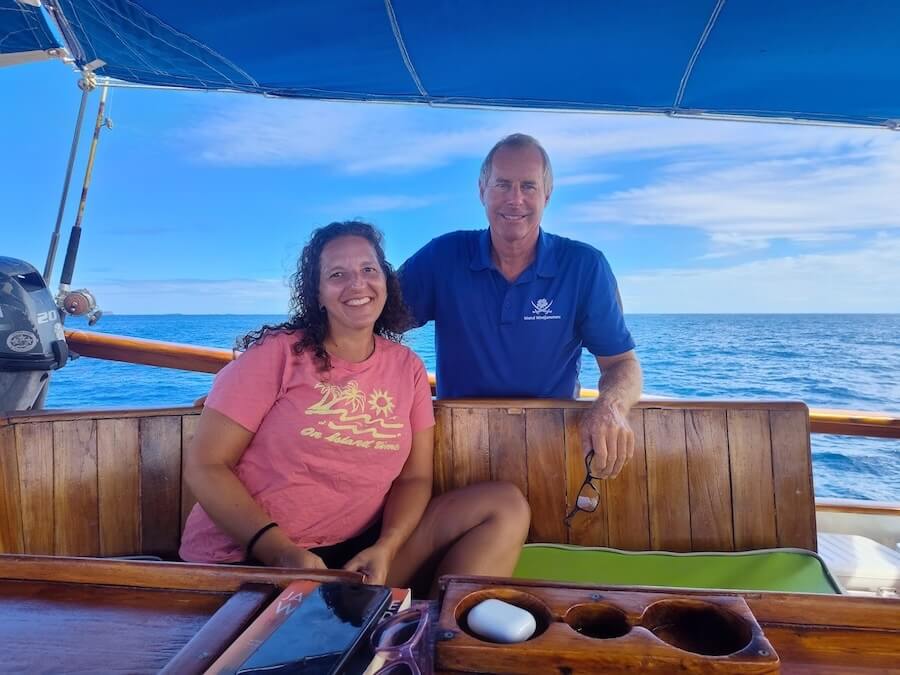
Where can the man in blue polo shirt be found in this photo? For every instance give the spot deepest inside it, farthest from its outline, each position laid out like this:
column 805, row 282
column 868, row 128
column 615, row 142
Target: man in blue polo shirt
column 513, row 306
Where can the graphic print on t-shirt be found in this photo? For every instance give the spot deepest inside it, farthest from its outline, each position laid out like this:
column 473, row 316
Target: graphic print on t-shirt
column 353, row 425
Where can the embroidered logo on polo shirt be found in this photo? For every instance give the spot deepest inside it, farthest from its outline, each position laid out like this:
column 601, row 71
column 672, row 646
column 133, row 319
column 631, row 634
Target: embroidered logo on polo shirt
column 542, row 306
column 542, row 311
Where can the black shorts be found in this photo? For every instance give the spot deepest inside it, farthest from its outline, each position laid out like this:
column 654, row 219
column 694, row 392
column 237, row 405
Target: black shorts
column 338, row 555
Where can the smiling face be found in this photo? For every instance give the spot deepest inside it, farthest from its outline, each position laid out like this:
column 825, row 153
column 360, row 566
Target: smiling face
column 352, row 285
column 514, row 195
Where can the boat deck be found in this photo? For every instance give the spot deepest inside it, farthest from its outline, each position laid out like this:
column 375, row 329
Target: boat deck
column 861, row 565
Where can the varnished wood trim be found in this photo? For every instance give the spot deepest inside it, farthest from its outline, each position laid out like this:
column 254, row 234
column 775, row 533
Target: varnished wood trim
column 643, row 404
column 29, row 416
column 148, row 352
column 854, row 423
column 858, row 507
column 802, row 609
column 144, row 574
column 221, row 630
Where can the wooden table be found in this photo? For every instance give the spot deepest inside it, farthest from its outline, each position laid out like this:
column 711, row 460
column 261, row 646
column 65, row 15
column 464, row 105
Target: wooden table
column 93, row 615
column 90, row 615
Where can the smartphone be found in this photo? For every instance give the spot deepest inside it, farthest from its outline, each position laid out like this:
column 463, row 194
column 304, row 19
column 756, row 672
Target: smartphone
column 321, row 633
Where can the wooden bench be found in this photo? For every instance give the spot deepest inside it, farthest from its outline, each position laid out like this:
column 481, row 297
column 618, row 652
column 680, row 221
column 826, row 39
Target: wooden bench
column 706, row 475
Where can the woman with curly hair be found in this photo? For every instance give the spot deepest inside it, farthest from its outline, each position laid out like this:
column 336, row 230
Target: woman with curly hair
column 315, row 447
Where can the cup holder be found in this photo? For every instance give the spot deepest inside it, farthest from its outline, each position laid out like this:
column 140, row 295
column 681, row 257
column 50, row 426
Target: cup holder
column 541, row 613
column 598, row 620
column 697, row 626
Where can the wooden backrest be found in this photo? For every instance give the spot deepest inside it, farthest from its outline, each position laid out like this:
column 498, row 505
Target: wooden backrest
column 710, row 476
column 705, row 476
column 94, row 483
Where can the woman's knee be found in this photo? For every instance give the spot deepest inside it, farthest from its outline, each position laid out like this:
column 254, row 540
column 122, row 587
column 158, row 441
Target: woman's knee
column 509, row 504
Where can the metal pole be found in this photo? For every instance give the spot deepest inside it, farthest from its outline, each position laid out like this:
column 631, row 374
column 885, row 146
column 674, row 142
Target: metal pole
column 75, row 236
column 86, row 84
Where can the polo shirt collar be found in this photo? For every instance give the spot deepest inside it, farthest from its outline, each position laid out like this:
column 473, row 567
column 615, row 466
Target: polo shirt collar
column 482, row 259
column 544, row 262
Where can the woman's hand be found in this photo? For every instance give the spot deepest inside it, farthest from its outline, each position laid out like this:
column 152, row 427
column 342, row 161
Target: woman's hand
column 274, row 549
column 373, row 563
column 299, row 558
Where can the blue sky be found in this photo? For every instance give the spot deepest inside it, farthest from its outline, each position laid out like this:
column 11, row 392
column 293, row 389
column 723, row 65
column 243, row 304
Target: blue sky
column 200, row 202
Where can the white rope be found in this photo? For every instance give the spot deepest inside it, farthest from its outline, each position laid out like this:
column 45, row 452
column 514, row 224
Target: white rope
column 700, row 45
column 402, row 46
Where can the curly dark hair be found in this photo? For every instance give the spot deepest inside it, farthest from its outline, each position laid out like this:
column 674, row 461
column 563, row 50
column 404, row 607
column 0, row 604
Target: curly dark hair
column 305, row 313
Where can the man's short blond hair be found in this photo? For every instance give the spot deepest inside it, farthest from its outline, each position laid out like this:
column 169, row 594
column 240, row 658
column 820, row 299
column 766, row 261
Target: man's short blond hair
column 516, row 141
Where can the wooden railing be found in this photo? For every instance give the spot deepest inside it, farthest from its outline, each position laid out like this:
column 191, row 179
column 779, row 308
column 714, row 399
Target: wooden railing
column 211, row 360
column 148, row 352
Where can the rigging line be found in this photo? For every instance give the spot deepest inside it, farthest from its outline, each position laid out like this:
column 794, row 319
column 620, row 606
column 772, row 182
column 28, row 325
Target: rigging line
column 31, row 22
column 37, row 26
column 70, row 42
column 103, row 18
column 700, row 45
column 175, row 33
column 392, row 17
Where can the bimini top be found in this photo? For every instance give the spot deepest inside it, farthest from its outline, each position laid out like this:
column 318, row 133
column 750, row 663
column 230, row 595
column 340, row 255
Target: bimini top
column 805, row 60
column 24, row 34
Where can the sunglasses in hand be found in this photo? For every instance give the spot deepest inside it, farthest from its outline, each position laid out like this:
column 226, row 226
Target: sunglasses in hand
column 588, row 499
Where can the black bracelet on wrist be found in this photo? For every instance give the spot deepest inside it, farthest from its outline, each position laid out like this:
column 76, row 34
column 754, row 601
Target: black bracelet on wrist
column 255, row 538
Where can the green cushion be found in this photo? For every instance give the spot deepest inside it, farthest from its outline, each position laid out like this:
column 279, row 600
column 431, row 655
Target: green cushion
column 787, row 570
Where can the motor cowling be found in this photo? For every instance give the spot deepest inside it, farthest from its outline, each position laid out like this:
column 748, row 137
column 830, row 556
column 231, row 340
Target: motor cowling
column 32, row 341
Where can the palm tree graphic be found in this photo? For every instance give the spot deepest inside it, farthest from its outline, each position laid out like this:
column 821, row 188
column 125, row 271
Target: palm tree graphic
column 342, row 401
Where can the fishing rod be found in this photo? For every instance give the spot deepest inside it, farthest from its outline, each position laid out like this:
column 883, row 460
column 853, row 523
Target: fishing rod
column 31, row 391
column 87, row 85
column 79, row 302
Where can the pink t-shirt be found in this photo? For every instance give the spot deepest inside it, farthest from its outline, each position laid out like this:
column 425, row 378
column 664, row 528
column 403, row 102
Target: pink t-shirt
column 327, row 446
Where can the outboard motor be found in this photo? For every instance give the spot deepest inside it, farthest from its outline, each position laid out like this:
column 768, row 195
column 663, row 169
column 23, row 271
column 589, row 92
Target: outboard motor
column 32, row 341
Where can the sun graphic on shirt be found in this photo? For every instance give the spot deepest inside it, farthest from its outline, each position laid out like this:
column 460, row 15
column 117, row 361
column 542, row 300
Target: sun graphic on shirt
column 381, row 403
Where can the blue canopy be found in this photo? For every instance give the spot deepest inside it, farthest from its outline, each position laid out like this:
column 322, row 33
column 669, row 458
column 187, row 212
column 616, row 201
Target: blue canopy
column 812, row 60
column 24, row 34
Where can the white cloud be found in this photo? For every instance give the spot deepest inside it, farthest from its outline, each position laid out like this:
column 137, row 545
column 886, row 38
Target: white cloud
column 361, row 206
column 583, row 179
column 193, row 296
column 364, row 138
column 766, row 197
column 358, row 138
column 862, row 280
column 743, row 201
column 346, row 137
column 742, row 183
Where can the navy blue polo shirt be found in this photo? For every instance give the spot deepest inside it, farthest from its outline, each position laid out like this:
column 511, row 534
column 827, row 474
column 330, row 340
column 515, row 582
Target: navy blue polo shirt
column 524, row 339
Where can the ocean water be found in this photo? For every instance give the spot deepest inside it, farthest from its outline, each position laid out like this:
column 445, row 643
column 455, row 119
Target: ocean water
column 828, row 360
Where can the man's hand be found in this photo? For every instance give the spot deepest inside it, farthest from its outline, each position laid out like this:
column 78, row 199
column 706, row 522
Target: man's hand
column 373, row 563
column 605, row 430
